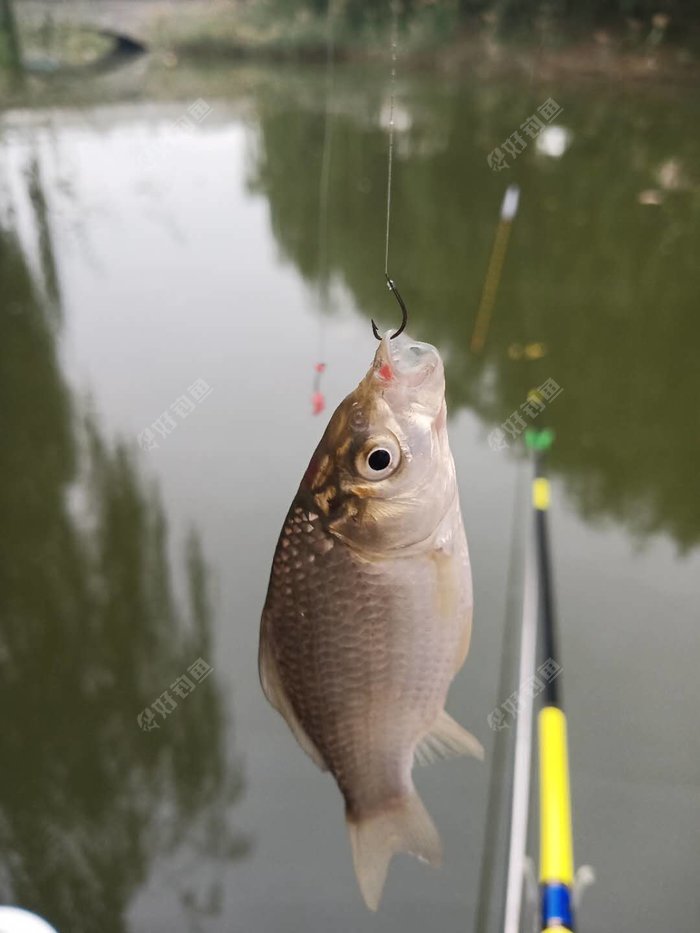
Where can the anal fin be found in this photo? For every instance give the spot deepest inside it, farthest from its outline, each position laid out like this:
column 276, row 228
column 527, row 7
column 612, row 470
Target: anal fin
column 447, row 739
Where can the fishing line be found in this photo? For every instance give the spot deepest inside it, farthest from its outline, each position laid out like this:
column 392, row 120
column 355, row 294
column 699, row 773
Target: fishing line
column 318, row 401
column 324, row 177
column 392, row 99
column 391, row 285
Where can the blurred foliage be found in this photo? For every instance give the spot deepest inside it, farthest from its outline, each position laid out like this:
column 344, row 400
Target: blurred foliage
column 91, row 634
column 509, row 13
column 9, row 37
column 445, row 33
column 602, row 268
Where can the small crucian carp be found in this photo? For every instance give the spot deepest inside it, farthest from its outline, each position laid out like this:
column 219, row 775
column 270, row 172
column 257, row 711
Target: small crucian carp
column 369, row 606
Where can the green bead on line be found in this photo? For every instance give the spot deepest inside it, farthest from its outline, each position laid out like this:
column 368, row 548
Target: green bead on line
column 539, row 439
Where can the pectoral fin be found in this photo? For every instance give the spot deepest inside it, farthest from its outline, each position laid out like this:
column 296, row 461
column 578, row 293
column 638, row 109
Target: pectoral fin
column 447, row 739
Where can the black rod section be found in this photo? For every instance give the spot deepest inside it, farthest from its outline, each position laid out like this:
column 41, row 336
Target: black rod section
column 552, row 695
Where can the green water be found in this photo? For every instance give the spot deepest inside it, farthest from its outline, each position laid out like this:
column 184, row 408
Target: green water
column 140, row 263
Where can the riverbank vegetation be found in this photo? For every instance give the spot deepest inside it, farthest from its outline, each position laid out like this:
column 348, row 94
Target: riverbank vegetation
column 630, row 39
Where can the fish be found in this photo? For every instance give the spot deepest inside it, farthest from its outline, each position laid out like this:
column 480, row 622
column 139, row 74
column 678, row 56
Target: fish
column 368, row 612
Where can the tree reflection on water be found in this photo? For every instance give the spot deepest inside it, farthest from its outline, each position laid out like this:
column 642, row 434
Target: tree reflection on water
column 91, row 634
column 604, row 282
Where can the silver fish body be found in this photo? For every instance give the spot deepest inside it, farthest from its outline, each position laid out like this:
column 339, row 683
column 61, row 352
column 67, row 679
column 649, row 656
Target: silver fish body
column 368, row 611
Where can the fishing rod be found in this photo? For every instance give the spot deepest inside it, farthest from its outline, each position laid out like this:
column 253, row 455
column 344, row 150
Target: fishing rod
column 517, row 848
column 495, row 870
column 556, row 868
column 559, row 887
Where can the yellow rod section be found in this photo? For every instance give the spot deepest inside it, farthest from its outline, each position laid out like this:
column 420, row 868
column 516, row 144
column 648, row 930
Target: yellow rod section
column 556, row 844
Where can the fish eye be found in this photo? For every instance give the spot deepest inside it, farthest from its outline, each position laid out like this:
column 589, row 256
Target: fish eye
column 379, row 458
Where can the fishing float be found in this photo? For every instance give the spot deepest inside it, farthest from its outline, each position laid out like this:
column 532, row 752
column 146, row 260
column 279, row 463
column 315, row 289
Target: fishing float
column 509, row 209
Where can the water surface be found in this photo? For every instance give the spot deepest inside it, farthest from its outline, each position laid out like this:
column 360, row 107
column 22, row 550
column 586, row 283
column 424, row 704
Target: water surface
column 166, row 294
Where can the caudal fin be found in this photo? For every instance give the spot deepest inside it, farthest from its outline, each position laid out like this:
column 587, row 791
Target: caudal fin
column 405, row 826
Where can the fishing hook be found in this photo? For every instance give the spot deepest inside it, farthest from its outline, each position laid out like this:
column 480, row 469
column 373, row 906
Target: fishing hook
column 390, row 284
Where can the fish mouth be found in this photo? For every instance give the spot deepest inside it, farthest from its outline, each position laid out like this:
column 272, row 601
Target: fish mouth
column 405, row 360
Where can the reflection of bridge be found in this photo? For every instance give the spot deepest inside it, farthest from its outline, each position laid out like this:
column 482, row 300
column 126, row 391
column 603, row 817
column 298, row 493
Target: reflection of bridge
column 118, row 22
column 122, row 50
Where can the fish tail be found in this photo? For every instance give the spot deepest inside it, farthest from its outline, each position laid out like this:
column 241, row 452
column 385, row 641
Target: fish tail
column 403, row 825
